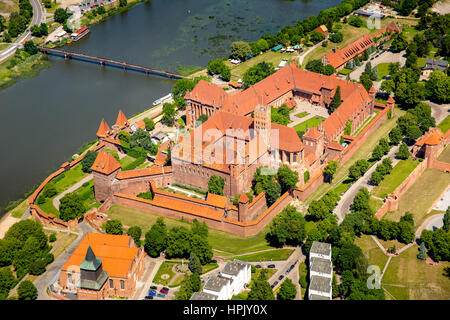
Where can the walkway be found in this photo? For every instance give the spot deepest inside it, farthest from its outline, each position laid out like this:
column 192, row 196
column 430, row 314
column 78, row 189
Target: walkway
column 56, row 200
column 343, row 206
column 188, row 192
column 438, row 111
column 303, row 56
column 386, row 57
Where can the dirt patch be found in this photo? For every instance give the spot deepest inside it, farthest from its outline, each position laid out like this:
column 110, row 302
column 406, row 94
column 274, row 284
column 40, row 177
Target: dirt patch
column 6, row 223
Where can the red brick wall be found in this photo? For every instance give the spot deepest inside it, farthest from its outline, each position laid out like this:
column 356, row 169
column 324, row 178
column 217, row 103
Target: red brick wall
column 305, row 191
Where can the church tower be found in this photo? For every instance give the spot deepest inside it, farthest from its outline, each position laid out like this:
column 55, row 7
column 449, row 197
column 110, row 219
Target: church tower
column 262, row 122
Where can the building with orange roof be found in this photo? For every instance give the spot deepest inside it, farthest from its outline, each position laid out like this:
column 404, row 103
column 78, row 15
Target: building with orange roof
column 104, row 130
column 122, row 121
column 323, row 30
column 339, row 57
column 104, row 169
column 102, row 265
column 431, row 144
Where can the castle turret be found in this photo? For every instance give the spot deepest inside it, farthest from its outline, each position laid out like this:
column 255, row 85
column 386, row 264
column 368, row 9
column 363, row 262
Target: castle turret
column 372, row 93
column 390, row 104
column 243, row 207
column 104, row 170
column 262, row 123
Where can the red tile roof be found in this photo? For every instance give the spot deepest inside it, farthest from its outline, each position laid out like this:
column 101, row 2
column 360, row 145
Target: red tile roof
column 115, row 251
column 335, row 146
column 121, row 121
column 340, row 56
column 105, row 163
column 243, row 198
column 138, row 173
column 312, row 133
column 104, row 130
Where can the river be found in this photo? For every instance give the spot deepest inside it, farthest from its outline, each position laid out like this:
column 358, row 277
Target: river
column 45, row 119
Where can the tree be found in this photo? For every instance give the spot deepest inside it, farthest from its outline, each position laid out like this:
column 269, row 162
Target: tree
column 240, row 50
column 387, row 86
column 273, row 192
column 314, row 65
column 376, row 178
column 336, row 101
column 366, row 81
column 149, row 124
column 200, row 229
column 288, row 291
column 71, row 207
column 226, row 74
column 200, row 246
column 287, row 178
column 346, row 260
column 179, row 243
column 316, row 36
column 446, row 220
column 27, row 291
column 168, row 113
column 422, row 252
column 215, row 66
column 7, row 282
column 399, row 42
column 113, row 226
column 61, row 15
column 437, row 88
column 123, row 3
column 395, row 136
column 318, row 210
column 406, row 232
column 155, row 238
column 260, row 289
column 355, row 21
column 257, row 73
column 135, row 232
column 413, row 133
column 336, row 37
column 30, row 47
column 186, row 290
column 194, row 264
column 216, row 184
column 38, row 267
column 88, row 161
column 288, row 227
column 330, row 170
column 361, row 202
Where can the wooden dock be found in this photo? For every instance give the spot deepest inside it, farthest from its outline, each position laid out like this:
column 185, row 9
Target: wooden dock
column 110, row 62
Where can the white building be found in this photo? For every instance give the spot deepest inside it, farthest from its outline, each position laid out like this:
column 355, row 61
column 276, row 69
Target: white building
column 228, row 282
column 320, row 272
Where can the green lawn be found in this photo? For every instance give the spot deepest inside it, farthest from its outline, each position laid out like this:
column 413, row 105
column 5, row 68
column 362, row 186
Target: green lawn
column 272, row 255
column 383, row 70
column 375, row 204
column 345, row 71
column 87, row 195
column 371, row 251
column 219, row 240
column 165, row 268
column 408, row 278
column 126, row 161
column 209, row 267
column 445, row 155
column 421, row 195
column 445, row 124
column 362, row 153
column 302, row 114
column 18, row 211
column 398, row 174
column 237, row 71
column 70, row 178
column 313, row 122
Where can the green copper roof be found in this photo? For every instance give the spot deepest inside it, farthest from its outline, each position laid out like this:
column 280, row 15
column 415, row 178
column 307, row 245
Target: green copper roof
column 91, row 284
column 90, row 262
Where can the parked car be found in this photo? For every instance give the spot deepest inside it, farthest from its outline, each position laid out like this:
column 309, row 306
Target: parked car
column 271, row 266
column 153, row 287
column 213, row 261
column 148, row 298
column 258, row 266
column 161, row 295
column 152, row 293
column 280, row 277
column 164, row 290
column 275, row 283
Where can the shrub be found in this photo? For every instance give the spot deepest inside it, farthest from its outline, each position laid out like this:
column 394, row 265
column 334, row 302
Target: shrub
column 52, row 237
column 303, row 283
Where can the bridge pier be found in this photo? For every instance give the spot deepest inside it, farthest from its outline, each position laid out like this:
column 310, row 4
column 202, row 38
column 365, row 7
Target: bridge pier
column 102, row 63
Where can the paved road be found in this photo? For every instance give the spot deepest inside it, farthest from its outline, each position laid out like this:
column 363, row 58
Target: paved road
column 439, row 111
column 303, row 56
column 385, row 57
column 343, row 206
column 36, row 20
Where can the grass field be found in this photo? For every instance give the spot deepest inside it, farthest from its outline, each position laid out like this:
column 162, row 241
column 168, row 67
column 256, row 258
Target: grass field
column 272, row 255
column 302, row 114
column 383, row 70
column 345, row 71
column 371, row 251
column 445, row 124
column 63, row 244
column 165, row 268
column 391, row 181
column 237, row 71
column 362, row 153
column 18, row 211
column 313, row 122
column 408, row 278
column 418, row 198
column 445, row 155
column 219, row 240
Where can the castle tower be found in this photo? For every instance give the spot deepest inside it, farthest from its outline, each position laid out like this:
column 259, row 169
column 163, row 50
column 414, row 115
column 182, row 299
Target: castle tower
column 104, row 130
column 243, row 207
column 104, row 170
column 262, row 122
column 390, row 104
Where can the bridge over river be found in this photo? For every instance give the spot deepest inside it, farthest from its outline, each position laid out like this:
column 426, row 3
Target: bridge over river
column 109, row 62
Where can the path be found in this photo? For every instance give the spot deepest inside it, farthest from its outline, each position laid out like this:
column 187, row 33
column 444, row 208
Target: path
column 56, row 200
column 343, row 206
column 303, row 56
column 6, row 222
column 36, row 20
column 386, row 57
column 188, row 192
column 438, row 111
